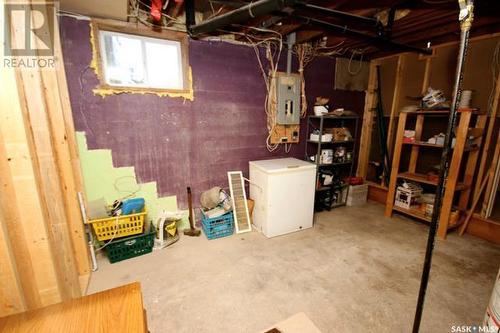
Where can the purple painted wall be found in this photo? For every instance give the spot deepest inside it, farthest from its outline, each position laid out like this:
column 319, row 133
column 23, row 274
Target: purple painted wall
column 179, row 143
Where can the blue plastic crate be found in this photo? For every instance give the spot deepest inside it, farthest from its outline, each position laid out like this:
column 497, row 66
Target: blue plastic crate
column 217, row 227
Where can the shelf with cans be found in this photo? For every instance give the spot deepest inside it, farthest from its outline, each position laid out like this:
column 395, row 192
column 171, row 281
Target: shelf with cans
column 331, row 145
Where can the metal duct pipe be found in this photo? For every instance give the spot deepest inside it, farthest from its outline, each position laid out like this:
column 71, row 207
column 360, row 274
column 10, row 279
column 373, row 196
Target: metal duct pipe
column 190, row 14
column 445, row 157
column 240, row 15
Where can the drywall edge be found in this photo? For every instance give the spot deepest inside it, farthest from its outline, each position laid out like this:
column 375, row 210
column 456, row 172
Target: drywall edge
column 102, row 180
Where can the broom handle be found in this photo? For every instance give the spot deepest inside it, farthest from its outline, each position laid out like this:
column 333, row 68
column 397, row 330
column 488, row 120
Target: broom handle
column 190, row 207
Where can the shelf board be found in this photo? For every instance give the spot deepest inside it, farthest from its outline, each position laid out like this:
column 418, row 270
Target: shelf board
column 417, row 213
column 334, row 164
column 440, row 111
column 421, row 178
column 433, row 145
column 424, row 144
column 330, row 142
column 414, row 212
column 333, row 117
column 329, row 187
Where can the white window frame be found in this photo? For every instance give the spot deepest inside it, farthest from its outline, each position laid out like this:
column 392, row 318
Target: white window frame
column 142, row 34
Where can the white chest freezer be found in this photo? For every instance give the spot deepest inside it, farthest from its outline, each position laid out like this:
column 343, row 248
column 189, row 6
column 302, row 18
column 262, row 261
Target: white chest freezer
column 283, row 190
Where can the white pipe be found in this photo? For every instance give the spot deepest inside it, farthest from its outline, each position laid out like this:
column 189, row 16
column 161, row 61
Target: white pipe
column 89, row 233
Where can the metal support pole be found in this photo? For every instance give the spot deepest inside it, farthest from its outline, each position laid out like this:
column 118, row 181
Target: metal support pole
column 466, row 18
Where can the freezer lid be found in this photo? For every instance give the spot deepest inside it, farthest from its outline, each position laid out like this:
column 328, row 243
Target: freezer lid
column 282, row 165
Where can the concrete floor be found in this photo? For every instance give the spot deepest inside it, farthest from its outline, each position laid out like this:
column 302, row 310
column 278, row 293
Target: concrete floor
column 355, row 271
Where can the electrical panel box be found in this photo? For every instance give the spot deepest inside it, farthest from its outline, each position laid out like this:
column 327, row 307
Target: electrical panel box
column 288, row 97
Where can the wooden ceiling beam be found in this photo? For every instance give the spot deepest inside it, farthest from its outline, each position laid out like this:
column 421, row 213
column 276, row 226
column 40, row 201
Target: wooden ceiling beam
column 447, row 29
column 304, row 36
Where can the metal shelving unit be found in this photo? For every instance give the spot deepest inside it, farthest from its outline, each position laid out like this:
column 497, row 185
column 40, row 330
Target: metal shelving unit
column 313, row 148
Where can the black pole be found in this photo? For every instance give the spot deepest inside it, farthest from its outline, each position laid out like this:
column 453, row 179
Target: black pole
column 445, row 160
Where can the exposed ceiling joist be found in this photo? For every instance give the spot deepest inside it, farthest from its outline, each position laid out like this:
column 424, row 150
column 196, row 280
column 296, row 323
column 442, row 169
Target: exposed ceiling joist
column 240, row 15
column 378, row 40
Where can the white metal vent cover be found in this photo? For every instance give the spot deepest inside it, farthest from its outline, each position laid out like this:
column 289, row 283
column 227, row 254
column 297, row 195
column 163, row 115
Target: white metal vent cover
column 239, row 199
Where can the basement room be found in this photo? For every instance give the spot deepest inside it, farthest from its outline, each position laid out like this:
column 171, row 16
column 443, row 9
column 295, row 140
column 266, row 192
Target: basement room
column 257, row 166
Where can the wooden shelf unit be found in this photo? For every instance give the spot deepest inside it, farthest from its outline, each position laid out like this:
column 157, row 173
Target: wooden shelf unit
column 463, row 134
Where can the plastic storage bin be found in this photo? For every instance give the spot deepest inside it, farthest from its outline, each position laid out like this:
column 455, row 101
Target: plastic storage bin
column 130, row 247
column 118, row 226
column 357, row 195
column 217, row 227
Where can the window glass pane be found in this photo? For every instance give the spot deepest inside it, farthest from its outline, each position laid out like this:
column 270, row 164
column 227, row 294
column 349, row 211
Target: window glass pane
column 163, row 63
column 123, row 60
column 137, row 61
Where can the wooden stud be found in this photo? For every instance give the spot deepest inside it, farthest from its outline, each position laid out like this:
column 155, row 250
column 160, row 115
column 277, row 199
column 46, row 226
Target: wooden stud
column 367, row 126
column 400, row 67
column 18, row 256
column 453, row 172
column 10, row 289
column 47, row 174
column 395, row 164
column 415, row 149
column 491, row 175
column 25, row 218
column 64, row 143
column 471, row 163
column 488, row 138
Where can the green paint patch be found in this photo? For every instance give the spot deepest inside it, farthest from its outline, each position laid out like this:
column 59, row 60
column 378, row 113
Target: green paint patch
column 102, row 180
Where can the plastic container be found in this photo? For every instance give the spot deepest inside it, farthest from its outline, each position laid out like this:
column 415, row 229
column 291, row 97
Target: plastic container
column 324, row 138
column 357, row 195
column 130, row 247
column 118, row 226
column 132, row 206
column 217, row 227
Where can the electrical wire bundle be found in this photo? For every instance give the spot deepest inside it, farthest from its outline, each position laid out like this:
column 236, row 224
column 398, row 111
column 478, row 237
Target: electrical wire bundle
column 167, row 21
column 268, row 52
column 305, row 54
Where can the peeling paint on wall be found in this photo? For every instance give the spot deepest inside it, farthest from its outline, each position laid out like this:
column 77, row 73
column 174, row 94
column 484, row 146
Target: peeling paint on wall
column 102, row 180
column 176, row 143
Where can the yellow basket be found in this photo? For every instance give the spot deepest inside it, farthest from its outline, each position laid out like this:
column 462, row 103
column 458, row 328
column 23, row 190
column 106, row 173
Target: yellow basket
column 118, row 226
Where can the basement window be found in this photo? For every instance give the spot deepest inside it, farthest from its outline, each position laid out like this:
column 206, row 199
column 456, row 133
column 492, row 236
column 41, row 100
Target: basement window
column 142, row 62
